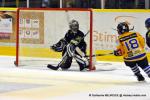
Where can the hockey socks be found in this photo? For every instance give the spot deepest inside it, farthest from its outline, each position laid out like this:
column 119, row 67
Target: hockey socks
column 135, row 70
column 147, row 70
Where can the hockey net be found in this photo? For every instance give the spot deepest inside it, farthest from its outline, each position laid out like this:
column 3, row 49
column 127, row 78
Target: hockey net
column 38, row 29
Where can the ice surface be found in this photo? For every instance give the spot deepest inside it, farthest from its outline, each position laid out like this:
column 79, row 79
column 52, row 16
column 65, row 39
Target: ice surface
column 111, row 81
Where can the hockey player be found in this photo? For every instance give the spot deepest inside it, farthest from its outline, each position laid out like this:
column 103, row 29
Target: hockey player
column 147, row 25
column 72, row 46
column 131, row 47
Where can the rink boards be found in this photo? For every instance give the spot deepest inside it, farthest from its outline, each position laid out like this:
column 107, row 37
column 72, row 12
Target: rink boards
column 104, row 35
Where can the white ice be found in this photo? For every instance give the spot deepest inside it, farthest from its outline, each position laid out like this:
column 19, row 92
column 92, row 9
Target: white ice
column 111, row 81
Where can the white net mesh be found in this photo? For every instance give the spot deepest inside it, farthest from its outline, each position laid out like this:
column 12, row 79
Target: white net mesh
column 40, row 29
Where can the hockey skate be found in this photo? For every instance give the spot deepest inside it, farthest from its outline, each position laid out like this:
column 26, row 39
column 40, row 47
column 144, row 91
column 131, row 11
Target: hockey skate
column 149, row 75
column 140, row 77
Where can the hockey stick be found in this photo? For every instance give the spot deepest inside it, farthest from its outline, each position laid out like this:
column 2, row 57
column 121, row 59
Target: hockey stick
column 52, row 67
column 100, row 54
column 56, row 67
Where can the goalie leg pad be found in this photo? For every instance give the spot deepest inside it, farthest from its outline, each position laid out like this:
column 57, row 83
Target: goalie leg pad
column 68, row 54
column 83, row 47
column 82, row 62
column 65, row 62
column 70, row 50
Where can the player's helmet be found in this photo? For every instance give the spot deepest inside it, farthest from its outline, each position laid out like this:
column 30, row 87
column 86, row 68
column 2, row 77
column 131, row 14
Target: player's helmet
column 147, row 23
column 122, row 27
column 74, row 25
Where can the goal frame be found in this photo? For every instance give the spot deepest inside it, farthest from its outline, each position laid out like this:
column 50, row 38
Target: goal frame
column 91, row 66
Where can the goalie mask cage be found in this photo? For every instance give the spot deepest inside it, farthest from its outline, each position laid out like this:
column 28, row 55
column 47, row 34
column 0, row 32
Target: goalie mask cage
column 40, row 28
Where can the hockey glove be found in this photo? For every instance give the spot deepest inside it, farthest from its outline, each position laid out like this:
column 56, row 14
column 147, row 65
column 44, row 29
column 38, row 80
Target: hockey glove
column 71, row 50
column 117, row 52
column 59, row 46
column 55, row 48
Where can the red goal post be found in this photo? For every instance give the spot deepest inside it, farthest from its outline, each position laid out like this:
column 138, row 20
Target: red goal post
column 34, row 28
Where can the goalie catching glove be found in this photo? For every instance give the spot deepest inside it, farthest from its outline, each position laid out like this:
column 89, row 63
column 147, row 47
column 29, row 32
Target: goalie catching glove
column 59, row 46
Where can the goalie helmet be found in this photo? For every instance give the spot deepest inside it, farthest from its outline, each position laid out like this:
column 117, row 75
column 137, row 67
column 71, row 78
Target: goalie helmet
column 122, row 27
column 74, row 25
column 147, row 23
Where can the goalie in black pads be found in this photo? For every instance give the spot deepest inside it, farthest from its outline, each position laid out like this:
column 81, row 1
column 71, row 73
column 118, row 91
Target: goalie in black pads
column 71, row 46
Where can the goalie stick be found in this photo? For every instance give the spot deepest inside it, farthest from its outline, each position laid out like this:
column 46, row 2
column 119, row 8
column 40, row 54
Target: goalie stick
column 56, row 67
column 52, row 67
column 100, row 54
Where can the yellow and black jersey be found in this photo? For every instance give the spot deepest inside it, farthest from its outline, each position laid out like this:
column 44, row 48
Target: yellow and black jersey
column 132, row 46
